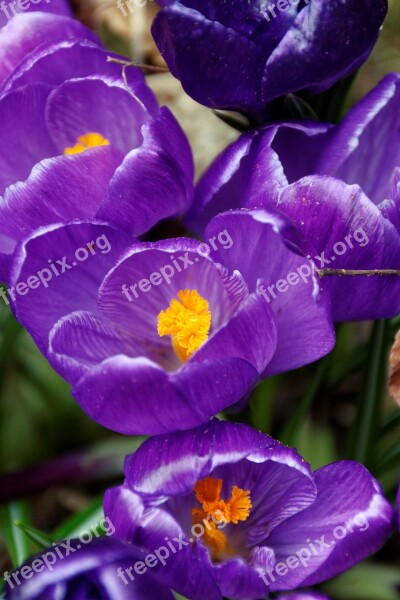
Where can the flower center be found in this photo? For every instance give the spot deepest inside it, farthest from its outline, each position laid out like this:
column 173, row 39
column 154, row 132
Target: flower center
column 86, row 141
column 188, row 321
column 215, row 511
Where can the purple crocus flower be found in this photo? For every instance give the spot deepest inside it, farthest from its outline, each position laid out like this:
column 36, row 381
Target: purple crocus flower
column 80, row 141
column 241, row 55
column 224, row 510
column 161, row 336
column 322, row 178
column 80, row 572
column 10, row 8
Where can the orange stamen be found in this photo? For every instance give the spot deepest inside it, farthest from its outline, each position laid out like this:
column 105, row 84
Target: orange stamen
column 214, row 510
column 87, row 141
column 187, row 321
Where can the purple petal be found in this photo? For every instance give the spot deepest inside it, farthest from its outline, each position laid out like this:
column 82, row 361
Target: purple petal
column 43, row 303
column 7, row 246
column 9, row 9
column 350, row 518
column 242, row 174
column 82, row 340
column 24, row 147
column 135, row 396
column 173, row 32
column 260, row 253
column 250, row 172
column 148, row 527
column 279, row 489
column 24, row 33
column 84, row 571
column 330, row 39
column 347, row 232
column 42, row 198
column 365, row 147
column 171, row 465
column 391, row 208
column 72, row 59
column 249, row 335
column 155, row 181
column 178, row 266
column 236, row 579
column 98, row 105
column 299, row 147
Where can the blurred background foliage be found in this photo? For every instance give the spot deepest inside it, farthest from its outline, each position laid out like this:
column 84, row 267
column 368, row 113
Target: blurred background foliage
column 55, row 462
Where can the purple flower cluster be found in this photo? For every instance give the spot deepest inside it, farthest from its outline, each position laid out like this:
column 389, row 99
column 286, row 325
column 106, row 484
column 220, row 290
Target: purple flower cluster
column 158, row 337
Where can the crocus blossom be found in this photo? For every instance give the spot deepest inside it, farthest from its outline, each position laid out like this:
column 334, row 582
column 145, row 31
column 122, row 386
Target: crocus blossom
column 161, row 336
column 362, row 150
column 231, row 512
column 80, row 141
column 77, row 571
column 322, row 178
column 241, row 55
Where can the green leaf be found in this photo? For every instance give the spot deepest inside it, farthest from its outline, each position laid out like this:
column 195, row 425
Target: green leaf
column 86, row 520
column 367, row 581
column 391, row 458
column 364, row 430
column 18, row 545
column 298, row 108
column 261, row 404
column 316, row 444
column 290, row 432
column 390, row 422
column 40, row 539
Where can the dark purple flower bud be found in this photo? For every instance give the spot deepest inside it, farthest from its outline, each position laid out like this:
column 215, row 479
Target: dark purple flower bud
column 237, row 54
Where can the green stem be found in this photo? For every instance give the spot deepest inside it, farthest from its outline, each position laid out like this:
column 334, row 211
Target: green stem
column 390, row 459
column 261, row 405
column 363, row 434
column 289, row 433
column 16, row 542
column 390, row 422
column 12, row 329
